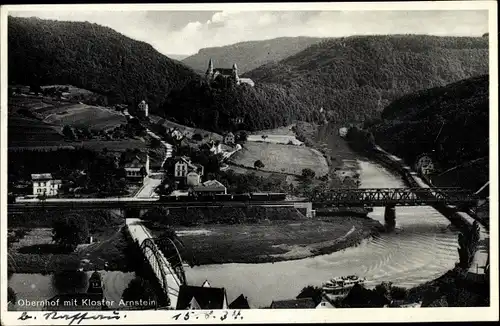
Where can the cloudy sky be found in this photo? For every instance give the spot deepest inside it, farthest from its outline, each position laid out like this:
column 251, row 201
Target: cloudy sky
column 185, row 32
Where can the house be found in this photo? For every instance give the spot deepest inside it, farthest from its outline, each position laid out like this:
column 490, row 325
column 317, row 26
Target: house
column 137, row 167
column 325, row 304
column 201, row 297
column 45, row 184
column 211, row 187
column 193, row 179
column 143, row 109
column 176, row 134
column 183, row 166
column 343, row 132
column 229, row 138
column 216, row 148
column 239, row 303
column 304, row 303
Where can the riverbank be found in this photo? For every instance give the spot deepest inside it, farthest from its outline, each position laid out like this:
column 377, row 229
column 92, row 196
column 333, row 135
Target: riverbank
column 271, row 240
column 31, row 249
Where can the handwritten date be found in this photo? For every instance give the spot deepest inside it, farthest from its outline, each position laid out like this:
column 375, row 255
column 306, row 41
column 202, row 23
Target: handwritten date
column 221, row 315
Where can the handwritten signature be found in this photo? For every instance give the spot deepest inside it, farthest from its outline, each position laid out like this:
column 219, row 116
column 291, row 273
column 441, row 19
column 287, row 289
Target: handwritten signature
column 222, row 315
column 73, row 318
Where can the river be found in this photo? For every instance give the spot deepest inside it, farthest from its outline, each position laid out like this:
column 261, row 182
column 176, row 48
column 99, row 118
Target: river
column 421, row 249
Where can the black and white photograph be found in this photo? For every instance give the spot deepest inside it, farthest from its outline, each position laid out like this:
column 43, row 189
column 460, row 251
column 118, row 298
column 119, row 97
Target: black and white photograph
column 215, row 158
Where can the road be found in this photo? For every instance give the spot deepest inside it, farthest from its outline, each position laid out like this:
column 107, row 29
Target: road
column 140, row 233
column 148, row 188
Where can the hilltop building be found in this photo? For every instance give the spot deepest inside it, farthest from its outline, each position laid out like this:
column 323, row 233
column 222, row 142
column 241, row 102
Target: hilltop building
column 45, row 185
column 225, row 77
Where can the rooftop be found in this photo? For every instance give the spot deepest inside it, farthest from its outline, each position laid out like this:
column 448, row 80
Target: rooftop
column 206, row 297
column 41, row 176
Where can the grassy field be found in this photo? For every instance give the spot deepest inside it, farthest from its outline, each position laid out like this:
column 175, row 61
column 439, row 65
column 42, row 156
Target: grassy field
column 82, row 115
column 282, row 135
column 27, row 129
column 98, row 145
column 273, row 240
column 281, row 158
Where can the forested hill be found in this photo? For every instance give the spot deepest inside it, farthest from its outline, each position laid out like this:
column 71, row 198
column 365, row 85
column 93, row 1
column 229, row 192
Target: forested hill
column 356, row 77
column 251, row 54
column 452, row 120
column 92, row 57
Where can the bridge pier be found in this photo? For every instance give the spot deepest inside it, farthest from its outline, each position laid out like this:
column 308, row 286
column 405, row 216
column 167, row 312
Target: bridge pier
column 390, row 217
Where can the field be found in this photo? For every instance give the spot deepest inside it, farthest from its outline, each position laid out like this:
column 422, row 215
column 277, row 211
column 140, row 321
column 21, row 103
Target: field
column 273, row 240
column 97, row 145
column 280, row 158
column 28, row 129
column 82, row 115
column 282, row 135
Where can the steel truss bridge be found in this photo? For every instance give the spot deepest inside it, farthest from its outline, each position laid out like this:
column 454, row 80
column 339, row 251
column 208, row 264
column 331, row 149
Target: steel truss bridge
column 166, row 262
column 394, row 197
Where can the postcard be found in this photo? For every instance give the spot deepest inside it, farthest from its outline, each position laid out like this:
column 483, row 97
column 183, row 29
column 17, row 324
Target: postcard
column 249, row 163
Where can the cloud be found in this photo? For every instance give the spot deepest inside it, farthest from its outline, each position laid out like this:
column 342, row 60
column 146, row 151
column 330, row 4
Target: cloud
column 177, row 32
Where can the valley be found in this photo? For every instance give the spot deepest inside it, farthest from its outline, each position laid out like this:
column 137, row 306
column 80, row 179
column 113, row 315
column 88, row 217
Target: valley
column 261, row 168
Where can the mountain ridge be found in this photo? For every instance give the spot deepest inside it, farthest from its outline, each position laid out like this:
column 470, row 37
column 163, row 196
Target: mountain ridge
column 354, row 78
column 249, row 54
column 93, row 57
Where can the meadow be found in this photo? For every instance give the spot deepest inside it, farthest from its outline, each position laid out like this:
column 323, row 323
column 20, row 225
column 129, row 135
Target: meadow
column 82, row 115
column 280, row 158
column 276, row 240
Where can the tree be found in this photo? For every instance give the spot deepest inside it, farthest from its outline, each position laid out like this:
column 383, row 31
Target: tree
column 197, row 137
column 313, row 292
column 68, row 132
column 68, row 232
column 155, row 143
column 308, row 174
column 139, row 289
column 242, row 136
column 258, row 164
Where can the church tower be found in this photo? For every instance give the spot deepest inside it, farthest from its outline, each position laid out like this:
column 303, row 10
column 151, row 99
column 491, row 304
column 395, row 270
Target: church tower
column 235, row 74
column 210, row 71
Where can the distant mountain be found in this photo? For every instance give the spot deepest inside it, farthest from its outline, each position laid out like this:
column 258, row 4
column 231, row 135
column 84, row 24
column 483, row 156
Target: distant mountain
column 178, row 57
column 93, row 57
column 452, row 121
column 354, row 78
column 249, row 55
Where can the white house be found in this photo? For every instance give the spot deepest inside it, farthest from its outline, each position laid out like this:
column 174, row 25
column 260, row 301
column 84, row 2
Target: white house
column 229, row 138
column 44, row 184
column 138, row 167
column 183, row 166
column 143, row 108
column 343, row 131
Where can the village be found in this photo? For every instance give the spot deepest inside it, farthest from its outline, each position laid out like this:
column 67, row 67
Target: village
column 176, row 175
